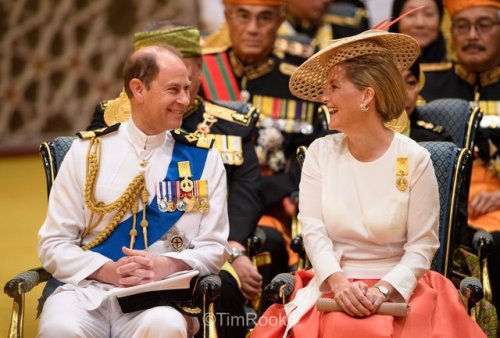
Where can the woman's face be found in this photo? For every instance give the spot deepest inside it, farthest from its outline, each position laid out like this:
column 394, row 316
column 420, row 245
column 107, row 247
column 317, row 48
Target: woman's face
column 423, row 25
column 413, row 91
column 343, row 99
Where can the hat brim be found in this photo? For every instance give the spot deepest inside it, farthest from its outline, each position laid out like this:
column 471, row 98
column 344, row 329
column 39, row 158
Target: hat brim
column 308, row 80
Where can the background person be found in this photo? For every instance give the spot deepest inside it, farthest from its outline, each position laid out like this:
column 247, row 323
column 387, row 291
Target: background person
column 423, row 25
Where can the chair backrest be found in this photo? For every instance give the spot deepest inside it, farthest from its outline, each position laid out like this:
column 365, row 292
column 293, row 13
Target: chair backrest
column 53, row 153
column 458, row 117
column 451, row 165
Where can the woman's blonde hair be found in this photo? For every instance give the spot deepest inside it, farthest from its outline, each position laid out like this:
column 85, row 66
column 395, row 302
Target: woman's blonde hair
column 379, row 72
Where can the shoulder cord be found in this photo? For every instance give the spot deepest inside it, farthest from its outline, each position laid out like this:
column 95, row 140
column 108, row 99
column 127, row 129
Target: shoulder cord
column 127, row 201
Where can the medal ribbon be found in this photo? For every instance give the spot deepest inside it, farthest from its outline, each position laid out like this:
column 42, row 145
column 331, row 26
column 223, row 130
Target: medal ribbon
column 159, row 222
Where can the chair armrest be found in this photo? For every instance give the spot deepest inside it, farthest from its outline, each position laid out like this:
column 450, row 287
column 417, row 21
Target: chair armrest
column 25, row 281
column 483, row 243
column 280, row 288
column 208, row 286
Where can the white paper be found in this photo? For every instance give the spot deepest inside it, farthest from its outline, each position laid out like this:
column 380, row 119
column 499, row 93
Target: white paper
column 178, row 280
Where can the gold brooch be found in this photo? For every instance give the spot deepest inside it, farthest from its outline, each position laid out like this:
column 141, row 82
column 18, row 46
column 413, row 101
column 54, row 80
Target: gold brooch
column 402, row 173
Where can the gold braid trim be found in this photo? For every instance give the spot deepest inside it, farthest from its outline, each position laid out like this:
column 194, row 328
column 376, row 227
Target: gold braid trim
column 127, row 201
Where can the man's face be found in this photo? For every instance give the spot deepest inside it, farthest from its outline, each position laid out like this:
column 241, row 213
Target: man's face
column 476, row 36
column 312, row 10
column 164, row 102
column 412, row 86
column 253, row 30
column 194, row 68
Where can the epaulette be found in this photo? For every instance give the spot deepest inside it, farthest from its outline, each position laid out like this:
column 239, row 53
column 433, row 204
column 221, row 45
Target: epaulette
column 287, row 68
column 117, row 110
column 430, row 126
column 98, row 132
column 236, row 112
column 344, row 14
column 287, row 45
column 192, row 139
column 436, row 67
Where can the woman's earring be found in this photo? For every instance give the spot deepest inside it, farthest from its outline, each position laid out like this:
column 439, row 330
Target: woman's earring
column 363, row 107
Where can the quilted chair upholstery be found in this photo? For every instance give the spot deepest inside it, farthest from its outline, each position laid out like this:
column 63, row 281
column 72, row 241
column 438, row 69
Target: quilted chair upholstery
column 458, row 117
column 206, row 290
column 53, row 153
column 450, row 165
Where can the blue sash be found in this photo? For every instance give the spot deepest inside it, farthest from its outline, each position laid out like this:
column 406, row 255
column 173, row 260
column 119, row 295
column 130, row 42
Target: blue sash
column 159, row 222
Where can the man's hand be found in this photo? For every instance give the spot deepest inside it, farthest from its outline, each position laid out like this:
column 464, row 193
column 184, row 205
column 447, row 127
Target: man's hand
column 138, row 267
column 251, row 280
column 483, row 203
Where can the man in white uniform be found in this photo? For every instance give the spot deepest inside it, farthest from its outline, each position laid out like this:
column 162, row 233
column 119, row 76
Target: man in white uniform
column 133, row 204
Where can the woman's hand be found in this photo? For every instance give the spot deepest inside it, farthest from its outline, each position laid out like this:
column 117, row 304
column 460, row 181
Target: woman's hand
column 375, row 297
column 350, row 296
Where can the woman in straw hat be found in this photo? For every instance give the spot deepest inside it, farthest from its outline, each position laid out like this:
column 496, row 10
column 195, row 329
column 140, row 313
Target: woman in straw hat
column 369, row 205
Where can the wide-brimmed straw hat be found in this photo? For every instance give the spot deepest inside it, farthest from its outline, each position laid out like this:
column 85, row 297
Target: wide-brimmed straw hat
column 308, row 80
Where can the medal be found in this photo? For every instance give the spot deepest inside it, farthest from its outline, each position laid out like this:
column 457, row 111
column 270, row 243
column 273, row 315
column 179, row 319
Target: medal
column 203, row 196
column 401, row 183
column 161, row 188
column 177, row 243
column 402, row 173
column 162, row 205
column 245, row 96
column 171, row 206
column 204, row 205
column 175, row 240
column 185, row 173
column 189, row 204
column 181, row 205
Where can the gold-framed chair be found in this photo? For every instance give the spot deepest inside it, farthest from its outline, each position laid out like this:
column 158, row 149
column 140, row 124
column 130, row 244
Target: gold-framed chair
column 197, row 303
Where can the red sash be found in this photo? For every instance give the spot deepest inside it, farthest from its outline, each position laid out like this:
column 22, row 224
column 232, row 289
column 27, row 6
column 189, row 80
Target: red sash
column 218, row 81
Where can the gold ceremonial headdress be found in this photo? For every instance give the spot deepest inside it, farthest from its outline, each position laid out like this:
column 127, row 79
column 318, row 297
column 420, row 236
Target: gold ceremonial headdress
column 455, row 6
column 185, row 39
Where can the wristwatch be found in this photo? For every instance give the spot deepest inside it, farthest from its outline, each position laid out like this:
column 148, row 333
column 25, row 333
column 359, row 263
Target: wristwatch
column 235, row 253
column 383, row 290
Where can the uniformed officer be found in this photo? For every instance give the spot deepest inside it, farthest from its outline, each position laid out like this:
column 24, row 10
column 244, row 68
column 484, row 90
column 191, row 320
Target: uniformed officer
column 311, row 25
column 106, row 226
column 231, row 126
column 420, row 129
column 476, row 77
column 250, row 71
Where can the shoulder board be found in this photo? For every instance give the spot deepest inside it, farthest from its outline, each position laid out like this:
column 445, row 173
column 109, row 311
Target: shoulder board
column 436, row 67
column 490, row 107
column 287, row 68
column 240, row 113
column 192, row 139
column 344, row 14
column 287, row 45
column 98, row 132
column 430, row 126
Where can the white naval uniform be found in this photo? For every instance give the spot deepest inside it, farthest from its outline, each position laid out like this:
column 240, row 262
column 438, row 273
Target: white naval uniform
column 355, row 220
column 59, row 237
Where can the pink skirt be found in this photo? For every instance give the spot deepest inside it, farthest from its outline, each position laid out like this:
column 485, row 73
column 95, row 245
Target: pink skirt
column 436, row 310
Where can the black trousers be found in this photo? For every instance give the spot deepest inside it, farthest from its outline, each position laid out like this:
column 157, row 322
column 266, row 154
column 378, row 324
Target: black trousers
column 233, row 316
